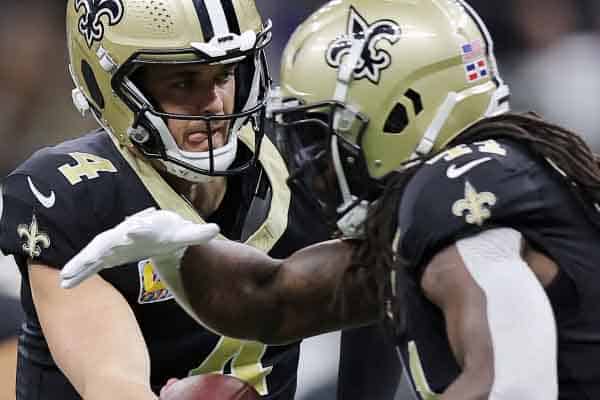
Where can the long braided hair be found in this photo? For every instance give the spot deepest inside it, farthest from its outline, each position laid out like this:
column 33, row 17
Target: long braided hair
column 563, row 147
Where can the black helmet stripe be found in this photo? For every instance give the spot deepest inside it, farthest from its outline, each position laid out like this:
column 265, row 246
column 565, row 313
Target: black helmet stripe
column 232, row 21
column 216, row 18
column 204, row 17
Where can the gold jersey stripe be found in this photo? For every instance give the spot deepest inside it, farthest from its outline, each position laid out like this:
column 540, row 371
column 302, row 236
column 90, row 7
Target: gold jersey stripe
column 274, row 225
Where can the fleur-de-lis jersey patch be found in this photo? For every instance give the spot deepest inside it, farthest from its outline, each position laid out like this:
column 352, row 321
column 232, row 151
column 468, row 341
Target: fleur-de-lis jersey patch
column 35, row 240
column 475, row 207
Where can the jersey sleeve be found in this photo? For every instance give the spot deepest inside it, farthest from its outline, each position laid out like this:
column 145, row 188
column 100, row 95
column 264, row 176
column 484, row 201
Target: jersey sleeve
column 45, row 217
column 29, row 229
column 467, row 190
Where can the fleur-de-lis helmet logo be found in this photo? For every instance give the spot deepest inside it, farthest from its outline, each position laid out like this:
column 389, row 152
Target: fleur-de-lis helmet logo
column 90, row 25
column 373, row 60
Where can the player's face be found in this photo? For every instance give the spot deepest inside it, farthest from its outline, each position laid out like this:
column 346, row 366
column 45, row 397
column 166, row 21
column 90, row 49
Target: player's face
column 193, row 90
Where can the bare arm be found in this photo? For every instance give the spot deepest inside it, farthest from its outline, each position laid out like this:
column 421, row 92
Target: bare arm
column 499, row 321
column 93, row 337
column 242, row 292
column 447, row 284
column 235, row 289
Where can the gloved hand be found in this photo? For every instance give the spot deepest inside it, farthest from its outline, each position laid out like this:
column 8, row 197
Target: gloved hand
column 150, row 233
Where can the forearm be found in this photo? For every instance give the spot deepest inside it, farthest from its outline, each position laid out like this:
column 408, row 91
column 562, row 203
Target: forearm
column 119, row 373
column 109, row 361
column 110, row 356
column 241, row 292
column 93, row 336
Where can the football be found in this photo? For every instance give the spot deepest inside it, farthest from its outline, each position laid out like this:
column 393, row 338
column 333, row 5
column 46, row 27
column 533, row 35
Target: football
column 209, row 387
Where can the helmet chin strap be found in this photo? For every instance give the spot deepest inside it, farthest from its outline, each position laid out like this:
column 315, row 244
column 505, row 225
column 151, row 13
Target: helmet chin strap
column 223, row 156
column 433, row 130
column 355, row 213
column 184, row 173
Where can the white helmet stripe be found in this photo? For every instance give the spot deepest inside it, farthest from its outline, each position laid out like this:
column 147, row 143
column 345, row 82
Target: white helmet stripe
column 217, row 17
column 212, row 18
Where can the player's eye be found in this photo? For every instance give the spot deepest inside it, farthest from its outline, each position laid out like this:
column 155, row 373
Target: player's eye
column 181, row 84
column 227, row 75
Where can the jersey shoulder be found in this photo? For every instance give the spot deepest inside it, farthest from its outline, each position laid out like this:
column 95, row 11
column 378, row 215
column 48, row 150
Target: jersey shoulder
column 87, row 158
column 52, row 202
column 467, row 189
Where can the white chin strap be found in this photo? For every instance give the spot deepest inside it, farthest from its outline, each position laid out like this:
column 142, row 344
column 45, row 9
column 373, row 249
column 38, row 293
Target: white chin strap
column 351, row 224
column 223, row 156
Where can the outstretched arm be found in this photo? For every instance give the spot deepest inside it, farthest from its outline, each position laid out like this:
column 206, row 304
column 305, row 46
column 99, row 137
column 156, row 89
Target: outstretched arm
column 233, row 288
column 242, row 292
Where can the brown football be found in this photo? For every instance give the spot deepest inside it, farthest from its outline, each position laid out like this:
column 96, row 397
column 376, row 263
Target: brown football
column 209, row 387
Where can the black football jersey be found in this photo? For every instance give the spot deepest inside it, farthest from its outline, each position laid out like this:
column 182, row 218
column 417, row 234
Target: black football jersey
column 63, row 196
column 500, row 183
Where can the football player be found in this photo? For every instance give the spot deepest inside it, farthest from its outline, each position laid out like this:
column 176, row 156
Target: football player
column 481, row 255
column 178, row 88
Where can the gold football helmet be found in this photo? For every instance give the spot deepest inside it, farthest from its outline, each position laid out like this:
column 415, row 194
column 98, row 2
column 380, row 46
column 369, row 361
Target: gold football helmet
column 109, row 40
column 387, row 82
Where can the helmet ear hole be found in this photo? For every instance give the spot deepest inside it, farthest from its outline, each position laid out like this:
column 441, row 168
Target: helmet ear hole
column 415, row 98
column 397, row 120
column 92, row 84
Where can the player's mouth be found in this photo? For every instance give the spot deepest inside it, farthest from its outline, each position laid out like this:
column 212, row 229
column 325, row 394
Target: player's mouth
column 197, row 140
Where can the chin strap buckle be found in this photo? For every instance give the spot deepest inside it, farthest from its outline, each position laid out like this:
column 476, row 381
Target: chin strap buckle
column 80, row 102
column 352, row 222
column 138, row 135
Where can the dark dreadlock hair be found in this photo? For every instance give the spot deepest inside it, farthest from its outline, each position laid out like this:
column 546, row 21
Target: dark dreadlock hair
column 564, row 148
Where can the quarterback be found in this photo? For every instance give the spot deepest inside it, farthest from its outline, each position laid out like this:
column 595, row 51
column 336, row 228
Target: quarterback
column 470, row 231
column 178, row 88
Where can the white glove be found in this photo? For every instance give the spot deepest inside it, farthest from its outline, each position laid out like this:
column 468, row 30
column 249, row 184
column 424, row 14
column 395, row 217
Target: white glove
column 148, row 233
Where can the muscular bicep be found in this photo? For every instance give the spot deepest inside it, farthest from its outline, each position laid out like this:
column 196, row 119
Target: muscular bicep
column 448, row 284
column 330, row 292
column 311, row 292
column 499, row 321
column 91, row 332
